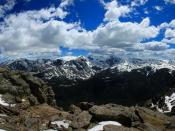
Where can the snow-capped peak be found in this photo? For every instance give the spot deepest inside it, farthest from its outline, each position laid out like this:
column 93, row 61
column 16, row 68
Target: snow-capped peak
column 68, row 58
column 155, row 65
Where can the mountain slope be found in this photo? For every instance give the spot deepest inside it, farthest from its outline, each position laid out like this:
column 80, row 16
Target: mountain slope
column 112, row 86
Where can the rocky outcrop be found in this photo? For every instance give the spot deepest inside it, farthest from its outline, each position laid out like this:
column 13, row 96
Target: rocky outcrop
column 17, row 87
column 32, row 118
column 43, row 117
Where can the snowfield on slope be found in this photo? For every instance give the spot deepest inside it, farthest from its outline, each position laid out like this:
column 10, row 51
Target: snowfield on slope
column 170, row 102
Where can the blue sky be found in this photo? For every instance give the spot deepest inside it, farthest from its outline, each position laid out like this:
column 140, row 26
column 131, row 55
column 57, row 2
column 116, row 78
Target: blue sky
column 82, row 27
column 91, row 12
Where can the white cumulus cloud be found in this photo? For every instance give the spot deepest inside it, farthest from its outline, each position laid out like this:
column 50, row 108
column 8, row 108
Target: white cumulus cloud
column 169, row 28
column 114, row 11
column 66, row 3
column 170, row 1
column 6, row 7
column 123, row 34
column 38, row 31
column 155, row 46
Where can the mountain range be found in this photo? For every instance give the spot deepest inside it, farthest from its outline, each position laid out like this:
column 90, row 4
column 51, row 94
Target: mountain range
column 126, row 81
column 83, row 67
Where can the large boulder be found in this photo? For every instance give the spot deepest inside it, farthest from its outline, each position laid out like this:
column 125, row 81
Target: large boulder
column 153, row 120
column 75, row 109
column 81, row 120
column 121, row 114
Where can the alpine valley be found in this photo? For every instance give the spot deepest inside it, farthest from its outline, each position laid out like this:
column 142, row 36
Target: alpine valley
column 87, row 93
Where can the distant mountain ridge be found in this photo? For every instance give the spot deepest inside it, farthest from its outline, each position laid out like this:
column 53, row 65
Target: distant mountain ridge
column 128, row 64
column 81, row 68
column 85, row 67
column 77, row 68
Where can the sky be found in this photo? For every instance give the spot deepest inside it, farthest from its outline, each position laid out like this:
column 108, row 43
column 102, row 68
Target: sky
column 137, row 28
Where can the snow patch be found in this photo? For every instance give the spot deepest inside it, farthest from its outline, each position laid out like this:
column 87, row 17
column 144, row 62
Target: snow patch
column 100, row 126
column 61, row 124
column 23, row 100
column 159, row 109
column 169, row 102
column 3, row 115
column 2, row 102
